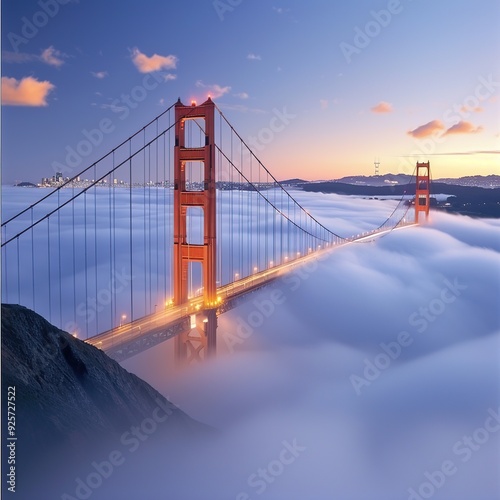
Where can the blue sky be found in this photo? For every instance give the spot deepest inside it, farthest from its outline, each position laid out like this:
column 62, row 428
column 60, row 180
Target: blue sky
column 398, row 80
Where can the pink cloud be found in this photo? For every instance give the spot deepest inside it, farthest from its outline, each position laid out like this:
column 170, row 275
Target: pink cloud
column 463, row 127
column 382, row 107
column 156, row 62
column 214, row 91
column 427, row 129
column 25, row 92
column 466, row 109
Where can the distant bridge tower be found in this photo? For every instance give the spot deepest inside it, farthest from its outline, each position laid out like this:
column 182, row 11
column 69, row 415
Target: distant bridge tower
column 190, row 346
column 377, row 166
column 422, row 195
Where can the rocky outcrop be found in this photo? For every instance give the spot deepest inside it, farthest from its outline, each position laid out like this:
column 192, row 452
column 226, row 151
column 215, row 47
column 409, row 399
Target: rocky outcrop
column 71, row 398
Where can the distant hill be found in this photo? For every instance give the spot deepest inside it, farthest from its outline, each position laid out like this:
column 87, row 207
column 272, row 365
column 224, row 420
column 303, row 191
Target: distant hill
column 486, row 181
column 292, row 182
column 376, row 180
column 25, row 184
column 467, row 200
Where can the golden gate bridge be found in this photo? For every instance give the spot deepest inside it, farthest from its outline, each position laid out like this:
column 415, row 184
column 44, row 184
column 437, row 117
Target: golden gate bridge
column 178, row 224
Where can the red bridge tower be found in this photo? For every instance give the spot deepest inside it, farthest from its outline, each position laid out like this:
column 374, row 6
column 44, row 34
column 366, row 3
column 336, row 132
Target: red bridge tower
column 422, row 195
column 189, row 345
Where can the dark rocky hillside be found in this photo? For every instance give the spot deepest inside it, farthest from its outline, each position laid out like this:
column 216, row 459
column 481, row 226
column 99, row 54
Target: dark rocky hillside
column 71, row 399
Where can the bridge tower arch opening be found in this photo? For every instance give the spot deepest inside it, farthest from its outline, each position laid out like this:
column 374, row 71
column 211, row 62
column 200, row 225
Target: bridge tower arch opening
column 189, row 345
column 422, row 194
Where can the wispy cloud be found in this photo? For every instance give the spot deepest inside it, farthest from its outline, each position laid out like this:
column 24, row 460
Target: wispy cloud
column 467, row 109
column 467, row 153
column 242, row 108
column 113, row 107
column 427, row 129
column 382, row 107
column 25, row 92
column 148, row 64
column 17, row 57
column 242, row 95
column 459, row 153
column 254, row 57
column 99, row 74
column 463, row 127
column 50, row 56
column 213, row 90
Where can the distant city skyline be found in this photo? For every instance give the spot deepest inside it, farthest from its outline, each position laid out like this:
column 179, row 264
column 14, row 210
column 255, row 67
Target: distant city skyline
column 318, row 90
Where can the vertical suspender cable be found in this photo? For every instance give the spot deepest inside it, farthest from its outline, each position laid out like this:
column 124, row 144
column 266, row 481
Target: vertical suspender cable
column 50, row 277
column 85, row 261
column 32, row 258
column 144, row 233
column 131, row 235
column 18, row 274
column 110, row 219
column 95, row 252
column 60, row 259
column 73, row 253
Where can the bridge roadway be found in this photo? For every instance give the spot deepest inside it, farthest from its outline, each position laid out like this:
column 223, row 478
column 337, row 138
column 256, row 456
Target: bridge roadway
column 134, row 337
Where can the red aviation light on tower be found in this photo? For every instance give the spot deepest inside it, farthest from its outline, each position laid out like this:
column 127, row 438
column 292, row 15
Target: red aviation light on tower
column 193, row 102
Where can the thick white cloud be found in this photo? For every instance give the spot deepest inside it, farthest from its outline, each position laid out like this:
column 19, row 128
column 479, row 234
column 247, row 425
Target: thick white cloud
column 292, row 377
